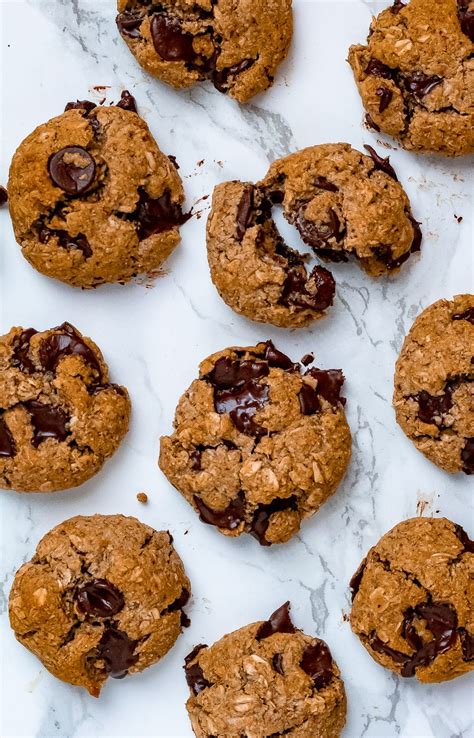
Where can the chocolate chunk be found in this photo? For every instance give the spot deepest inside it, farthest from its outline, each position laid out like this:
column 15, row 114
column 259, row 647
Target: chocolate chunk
column 433, row 407
column 196, row 458
column 242, row 403
column 169, row 40
column 66, row 241
column 21, row 349
column 173, row 161
column 276, row 196
column 263, row 513
column 380, row 163
column 72, row 169
column 48, row 421
column 381, row 647
column 467, row 456
column 466, row 315
column 185, row 620
column 385, row 98
column 278, row 622
column 116, row 650
column 3, row 196
column 276, row 358
column 324, row 184
column 157, row 215
column 307, row 359
column 229, row 519
column 317, row 663
column 467, row 644
column 417, row 235
column 334, row 255
column 85, row 105
column 442, row 621
column 277, row 663
column 464, row 538
column 66, row 342
column 356, row 580
column 330, row 382
column 420, row 84
column 245, row 211
column 309, row 401
column 180, row 601
column 7, row 443
column 466, row 18
column 315, row 292
column 317, row 235
column 220, row 78
column 99, row 598
column 228, row 374
column 370, row 123
column 376, row 68
column 129, row 24
column 127, row 102
column 194, row 673
column 397, row 6
column 292, row 257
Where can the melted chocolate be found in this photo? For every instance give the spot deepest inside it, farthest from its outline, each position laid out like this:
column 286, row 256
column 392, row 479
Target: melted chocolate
column 127, row 102
column 433, row 407
column 66, row 342
column 356, row 580
column 442, row 621
column 466, row 18
column 315, row 292
column 129, row 24
column 370, row 123
column 278, row 622
column 99, row 598
column 72, row 169
column 48, row 421
column 276, row 358
column 7, row 443
column 86, row 105
column 382, row 164
column 194, row 673
column 420, row 84
column 317, row 663
column 228, row 373
column 467, row 456
column 277, row 663
column 245, row 211
column 169, row 40
column 263, row 513
column 228, row 519
column 385, row 97
column 116, row 650
column 317, row 235
column 157, row 215
column 466, row 315
column 376, row 68
column 220, row 78
column 21, row 349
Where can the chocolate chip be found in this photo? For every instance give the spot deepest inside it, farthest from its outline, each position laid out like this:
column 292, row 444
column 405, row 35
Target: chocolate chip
column 21, row 349
column 317, row 235
column 380, row 163
column 127, row 102
column 464, row 538
column 116, row 650
column 66, row 341
column 420, row 84
column 432, row 407
column 99, row 598
column 228, row 519
column 196, row 458
column 129, row 24
column 356, row 580
column 194, row 673
column 467, row 644
column 228, row 373
column 85, row 105
column 278, row 622
column 385, row 98
column 169, row 40
column 324, row 184
column 157, row 215
column 466, row 315
column 307, row 359
column 48, row 421
column 7, row 443
column 245, row 211
column 370, row 123
column 315, row 292
column 442, row 621
column 263, row 513
column 309, row 401
column 276, row 358
column 317, row 663
column 220, row 78
column 3, row 196
column 330, row 382
column 466, row 18
column 72, row 169
column 376, row 68
column 277, row 663
column 467, row 456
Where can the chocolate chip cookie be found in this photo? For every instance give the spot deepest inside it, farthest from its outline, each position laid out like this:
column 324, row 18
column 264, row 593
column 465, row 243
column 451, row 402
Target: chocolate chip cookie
column 266, row 679
column 89, row 607
column 434, row 384
column 413, row 600
column 92, row 198
column 343, row 204
column 259, row 442
column 416, row 75
column 236, row 44
column 60, row 418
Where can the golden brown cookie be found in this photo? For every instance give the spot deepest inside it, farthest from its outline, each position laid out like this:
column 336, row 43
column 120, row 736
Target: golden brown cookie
column 236, row 44
column 266, row 679
column 343, row 204
column 60, row 417
column 259, row 442
column 93, row 199
column 90, row 607
column 434, row 384
column 413, row 600
column 416, row 75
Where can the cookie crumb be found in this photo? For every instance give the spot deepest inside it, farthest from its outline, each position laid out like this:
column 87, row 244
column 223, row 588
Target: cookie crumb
column 142, row 497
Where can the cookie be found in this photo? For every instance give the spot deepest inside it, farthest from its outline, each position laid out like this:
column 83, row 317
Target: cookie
column 89, row 607
column 343, row 204
column 434, row 384
column 259, row 443
column 60, row 418
column 266, row 679
column 416, row 75
column 236, row 44
column 93, row 199
column 413, row 600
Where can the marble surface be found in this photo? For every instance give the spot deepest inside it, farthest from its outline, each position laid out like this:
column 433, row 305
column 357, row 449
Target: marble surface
column 153, row 337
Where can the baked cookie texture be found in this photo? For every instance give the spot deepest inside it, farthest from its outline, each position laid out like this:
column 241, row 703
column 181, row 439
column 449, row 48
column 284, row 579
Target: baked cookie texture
column 416, row 75
column 236, row 44
column 343, row 204
column 92, row 197
column 434, row 384
column 266, row 679
column 413, row 600
column 90, row 607
column 258, row 443
column 60, row 417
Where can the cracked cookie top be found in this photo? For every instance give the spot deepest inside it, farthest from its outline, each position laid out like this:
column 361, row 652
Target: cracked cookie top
column 416, row 75
column 266, row 679
column 434, row 384
column 60, row 417
column 259, row 442
column 413, row 600
column 343, row 203
column 237, row 45
column 93, row 199
column 89, row 607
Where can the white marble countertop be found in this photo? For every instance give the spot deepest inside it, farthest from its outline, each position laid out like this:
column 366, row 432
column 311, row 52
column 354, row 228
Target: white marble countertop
column 54, row 51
